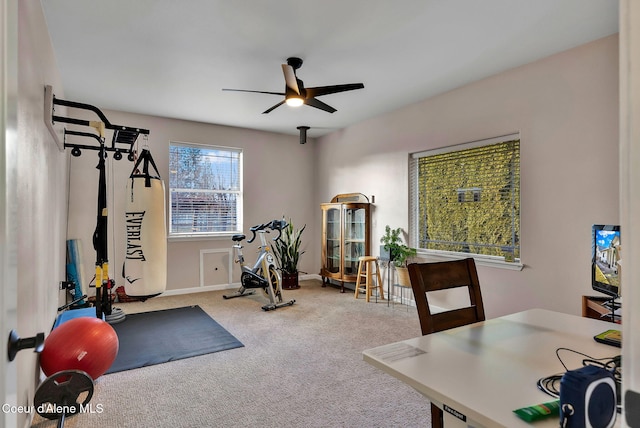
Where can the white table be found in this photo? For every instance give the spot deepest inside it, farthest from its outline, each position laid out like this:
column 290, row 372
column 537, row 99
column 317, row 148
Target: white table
column 486, row 370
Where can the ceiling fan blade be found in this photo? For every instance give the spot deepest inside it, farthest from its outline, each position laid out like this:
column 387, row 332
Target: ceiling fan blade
column 326, row 90
column 255, row 92
column 290, row 78
column 273, row 108
column 319, row 104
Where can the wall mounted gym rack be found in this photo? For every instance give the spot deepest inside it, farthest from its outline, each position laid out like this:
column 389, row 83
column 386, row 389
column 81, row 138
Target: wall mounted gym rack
column 124, row 137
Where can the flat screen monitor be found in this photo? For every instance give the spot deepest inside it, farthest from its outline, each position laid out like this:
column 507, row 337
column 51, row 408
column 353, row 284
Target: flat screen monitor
column 605, row 254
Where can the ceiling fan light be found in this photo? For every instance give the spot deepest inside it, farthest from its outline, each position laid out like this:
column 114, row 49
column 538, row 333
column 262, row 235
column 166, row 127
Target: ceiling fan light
column 294, row 101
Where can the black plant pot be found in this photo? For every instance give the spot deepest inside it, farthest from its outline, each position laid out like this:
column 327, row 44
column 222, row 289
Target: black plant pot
column 290, row 281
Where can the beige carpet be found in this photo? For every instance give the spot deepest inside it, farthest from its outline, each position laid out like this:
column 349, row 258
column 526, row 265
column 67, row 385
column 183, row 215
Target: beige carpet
column 301, row 366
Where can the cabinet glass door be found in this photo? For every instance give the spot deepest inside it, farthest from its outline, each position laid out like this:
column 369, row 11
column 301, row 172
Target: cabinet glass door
column 354, row 238
column 332, row 264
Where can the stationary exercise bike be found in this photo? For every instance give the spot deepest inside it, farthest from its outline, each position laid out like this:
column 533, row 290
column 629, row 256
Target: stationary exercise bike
column 264, row 273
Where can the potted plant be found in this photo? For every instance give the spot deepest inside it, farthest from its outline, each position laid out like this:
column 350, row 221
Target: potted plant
column 287, row 252
column 399, row 253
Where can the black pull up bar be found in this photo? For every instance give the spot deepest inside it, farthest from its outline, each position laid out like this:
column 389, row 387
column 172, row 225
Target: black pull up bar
column 122, row 135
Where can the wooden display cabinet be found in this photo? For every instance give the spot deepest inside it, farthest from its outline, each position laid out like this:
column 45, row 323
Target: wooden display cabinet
column 346, row 235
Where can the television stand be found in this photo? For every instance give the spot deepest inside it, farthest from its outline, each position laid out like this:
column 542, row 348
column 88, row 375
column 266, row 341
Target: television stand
column 601, row 308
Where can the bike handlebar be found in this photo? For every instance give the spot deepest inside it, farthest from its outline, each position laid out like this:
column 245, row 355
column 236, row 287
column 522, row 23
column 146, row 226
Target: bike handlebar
column 273, row 225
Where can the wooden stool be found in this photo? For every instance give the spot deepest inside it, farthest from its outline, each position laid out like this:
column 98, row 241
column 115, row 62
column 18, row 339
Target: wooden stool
column 365, row 270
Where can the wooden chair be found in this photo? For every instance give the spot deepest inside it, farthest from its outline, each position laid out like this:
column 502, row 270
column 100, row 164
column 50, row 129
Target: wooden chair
column 429, row 277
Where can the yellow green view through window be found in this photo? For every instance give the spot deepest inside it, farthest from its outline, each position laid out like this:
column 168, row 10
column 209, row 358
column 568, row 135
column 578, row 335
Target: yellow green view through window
column 468, row 200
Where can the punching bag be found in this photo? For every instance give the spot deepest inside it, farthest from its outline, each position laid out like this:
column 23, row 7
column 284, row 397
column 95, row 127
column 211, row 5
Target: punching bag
column 145, row 264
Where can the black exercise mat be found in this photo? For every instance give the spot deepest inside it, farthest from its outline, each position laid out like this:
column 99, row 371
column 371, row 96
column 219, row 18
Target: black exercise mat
column 157, row 337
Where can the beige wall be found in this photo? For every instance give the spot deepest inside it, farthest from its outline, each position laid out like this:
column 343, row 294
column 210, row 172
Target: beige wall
column 41, row 203
column 566, row 109
column 278, row 180
column 564, row 106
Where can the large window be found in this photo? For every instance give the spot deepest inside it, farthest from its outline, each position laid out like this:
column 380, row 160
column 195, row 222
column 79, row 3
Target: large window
column 205, row 190
column 466, row 199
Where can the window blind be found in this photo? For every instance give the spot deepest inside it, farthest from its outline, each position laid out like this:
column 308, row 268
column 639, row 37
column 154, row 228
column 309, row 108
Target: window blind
column 467, row 199
column 205, row 189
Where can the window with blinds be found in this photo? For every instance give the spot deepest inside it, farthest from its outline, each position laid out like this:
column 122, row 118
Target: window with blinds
column 466, row 199
column 205, row 188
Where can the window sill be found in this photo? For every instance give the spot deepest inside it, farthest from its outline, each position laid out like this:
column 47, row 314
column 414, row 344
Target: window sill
column 488, row 261
column 185, row 238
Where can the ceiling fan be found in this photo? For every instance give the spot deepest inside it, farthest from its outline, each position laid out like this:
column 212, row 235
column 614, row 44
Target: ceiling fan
column 296, row 94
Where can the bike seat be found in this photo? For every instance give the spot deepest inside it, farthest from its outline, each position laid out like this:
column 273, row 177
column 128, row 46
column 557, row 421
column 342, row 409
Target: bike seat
column 238, row 238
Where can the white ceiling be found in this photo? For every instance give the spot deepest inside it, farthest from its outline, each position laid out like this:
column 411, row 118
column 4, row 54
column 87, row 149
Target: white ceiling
column 172, row 58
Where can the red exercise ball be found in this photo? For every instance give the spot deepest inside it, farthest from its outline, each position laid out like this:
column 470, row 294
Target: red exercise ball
column 86, row 343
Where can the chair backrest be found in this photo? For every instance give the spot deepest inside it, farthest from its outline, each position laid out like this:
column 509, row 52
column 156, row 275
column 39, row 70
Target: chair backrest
column 428, row 277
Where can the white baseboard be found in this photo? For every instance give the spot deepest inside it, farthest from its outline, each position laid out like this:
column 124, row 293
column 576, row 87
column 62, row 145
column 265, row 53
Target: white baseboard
column 191, row 290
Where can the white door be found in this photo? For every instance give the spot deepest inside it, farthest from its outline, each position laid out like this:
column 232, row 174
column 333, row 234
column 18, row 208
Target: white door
column 630, row 203
column 8, row 189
